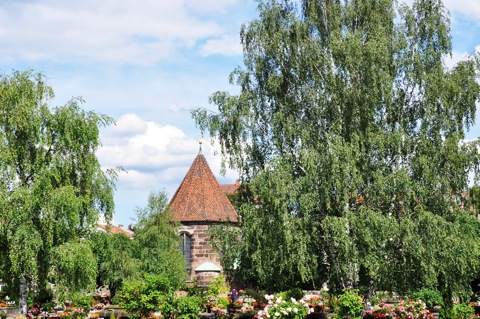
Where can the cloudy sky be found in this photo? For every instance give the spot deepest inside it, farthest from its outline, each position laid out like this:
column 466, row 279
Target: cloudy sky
column 147, row 64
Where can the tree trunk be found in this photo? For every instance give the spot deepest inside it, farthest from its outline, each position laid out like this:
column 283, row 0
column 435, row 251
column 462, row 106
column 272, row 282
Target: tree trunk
column 22, row 300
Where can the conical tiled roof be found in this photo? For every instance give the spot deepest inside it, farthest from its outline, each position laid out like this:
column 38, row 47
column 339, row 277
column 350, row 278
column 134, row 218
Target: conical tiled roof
column 200, row 198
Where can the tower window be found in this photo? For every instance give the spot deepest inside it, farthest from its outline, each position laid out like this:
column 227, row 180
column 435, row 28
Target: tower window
column 185, row 247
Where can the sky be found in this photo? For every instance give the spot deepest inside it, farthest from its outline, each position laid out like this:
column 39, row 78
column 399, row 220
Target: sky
column 147, row 64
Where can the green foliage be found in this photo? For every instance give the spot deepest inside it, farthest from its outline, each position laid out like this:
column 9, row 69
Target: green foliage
column 116, row 260
column 142, row 297
column 349, row 305
column 53, row 188
column 223, row 302
column 75, row 267
column 188, row 307
column 296, row 293
column 225, row 240
column 82, row 300
column 258, row 295
column 463, row 311
column 157, row 241
column 209, row 294
column 217, row 286
column 348, row 136
column 282, row 295
column 430, row 297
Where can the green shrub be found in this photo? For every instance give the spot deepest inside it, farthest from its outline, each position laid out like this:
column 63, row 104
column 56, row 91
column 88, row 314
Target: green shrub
column 259, row 295
column 373, row 300
column 349, row 305
column 188, row 307
column 82, row 300
column 463, row 311
column 296, row 293
column 142, row 297
column 430, row 297
column 281, row 294
column 223, row 302
column 217, row 286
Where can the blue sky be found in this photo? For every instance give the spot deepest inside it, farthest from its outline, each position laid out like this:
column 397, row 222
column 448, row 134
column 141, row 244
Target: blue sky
column 147, row 64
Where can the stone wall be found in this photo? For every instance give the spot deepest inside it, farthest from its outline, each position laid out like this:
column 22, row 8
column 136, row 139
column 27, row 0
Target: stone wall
column 201, row 250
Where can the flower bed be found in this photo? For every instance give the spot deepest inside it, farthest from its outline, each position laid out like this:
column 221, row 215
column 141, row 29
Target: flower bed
column 402, row 310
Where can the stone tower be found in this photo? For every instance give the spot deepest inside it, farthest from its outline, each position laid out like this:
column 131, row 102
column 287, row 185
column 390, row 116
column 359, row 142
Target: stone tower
column 199, row 203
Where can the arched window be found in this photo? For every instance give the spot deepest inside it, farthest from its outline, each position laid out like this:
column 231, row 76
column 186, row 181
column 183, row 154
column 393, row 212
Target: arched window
column 185, row 247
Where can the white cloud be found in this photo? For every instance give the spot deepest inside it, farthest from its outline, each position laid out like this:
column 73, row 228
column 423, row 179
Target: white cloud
column 469, row 8
column 224, row 45
column 149, row 151
column 218, row 6
column 107, row 31
column 152, row 147
column 155, row 157
column 456, row 57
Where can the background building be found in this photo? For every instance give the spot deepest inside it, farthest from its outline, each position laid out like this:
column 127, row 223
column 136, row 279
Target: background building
column 199, row 203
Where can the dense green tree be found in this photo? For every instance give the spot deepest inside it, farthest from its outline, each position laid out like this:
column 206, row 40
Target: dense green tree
column 158, row 242
column 116, row 262
column 348, row 134
column 153, row 292
column 53, row 189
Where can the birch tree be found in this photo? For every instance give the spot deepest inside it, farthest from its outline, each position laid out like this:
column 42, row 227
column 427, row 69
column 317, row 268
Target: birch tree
column 348, row 133
column 53, row 188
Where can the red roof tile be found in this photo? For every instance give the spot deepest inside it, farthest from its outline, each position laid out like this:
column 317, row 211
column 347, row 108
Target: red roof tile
column 115, row 230
column 200, row 198
column 230, row 188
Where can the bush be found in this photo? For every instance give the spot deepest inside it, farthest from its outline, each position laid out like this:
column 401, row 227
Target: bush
column 188, row 307
column 259, row 296
column 142, row 297
column 82, row 300
column 223, row 302
column 349, row 305
column 430, row 297
column 463, row 311
column 281, row 294
column 296, row 293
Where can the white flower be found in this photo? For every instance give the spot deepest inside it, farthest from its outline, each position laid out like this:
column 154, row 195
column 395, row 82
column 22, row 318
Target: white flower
column 279, row 299
column 277, row 314
column 294, row 300
column 295, row 310
column 289, row 309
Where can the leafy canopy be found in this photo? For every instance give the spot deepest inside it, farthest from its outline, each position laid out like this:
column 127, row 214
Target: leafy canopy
column 53, row 188
column 348, row 133
column 157, row 240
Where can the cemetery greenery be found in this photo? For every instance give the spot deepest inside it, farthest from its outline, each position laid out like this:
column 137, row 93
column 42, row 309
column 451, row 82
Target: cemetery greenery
column 154, row 249
column 53, row 194
column 53, row 189
column 348, row 132
column 349, row 135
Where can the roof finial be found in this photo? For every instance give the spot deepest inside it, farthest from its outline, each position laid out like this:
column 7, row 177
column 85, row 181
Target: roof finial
column 200, row 150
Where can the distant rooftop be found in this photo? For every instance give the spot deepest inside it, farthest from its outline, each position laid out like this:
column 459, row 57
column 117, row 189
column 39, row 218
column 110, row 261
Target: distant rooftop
column 230, row 188
column 115, row 230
